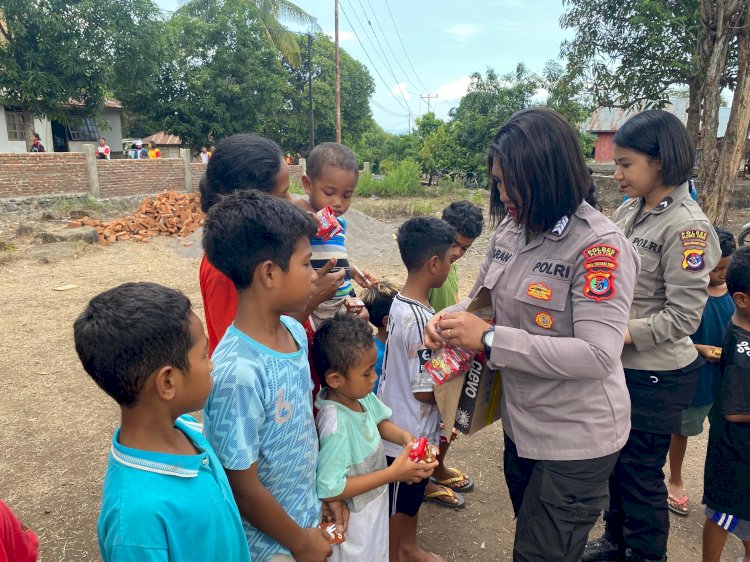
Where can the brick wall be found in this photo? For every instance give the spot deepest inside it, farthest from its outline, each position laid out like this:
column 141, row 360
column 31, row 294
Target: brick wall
column 48, row 173
column 197, row 169
column 118, row 178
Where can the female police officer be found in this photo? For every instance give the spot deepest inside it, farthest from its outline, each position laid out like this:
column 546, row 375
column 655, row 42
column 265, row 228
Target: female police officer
column 678, row 248
column 561, row 278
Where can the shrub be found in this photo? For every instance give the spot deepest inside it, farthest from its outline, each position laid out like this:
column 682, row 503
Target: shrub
column 404, row 180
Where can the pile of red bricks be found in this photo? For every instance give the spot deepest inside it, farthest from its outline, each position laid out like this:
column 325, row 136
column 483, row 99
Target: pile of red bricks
column 168, row 214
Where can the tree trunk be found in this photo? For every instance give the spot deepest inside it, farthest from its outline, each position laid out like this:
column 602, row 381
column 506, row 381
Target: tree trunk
column 694, row 111
column 28, row 122
column 733, row 145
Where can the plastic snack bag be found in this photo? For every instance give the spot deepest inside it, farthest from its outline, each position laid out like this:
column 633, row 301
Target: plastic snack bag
column 329, row 224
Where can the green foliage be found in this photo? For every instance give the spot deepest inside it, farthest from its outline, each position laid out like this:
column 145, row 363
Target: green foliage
column 55, row 51
column 440, row 151
column 404, row 180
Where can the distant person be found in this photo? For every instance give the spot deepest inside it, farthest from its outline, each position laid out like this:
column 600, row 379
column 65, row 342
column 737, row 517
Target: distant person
column 204, row 155
column 165, row 496
column 153, row 150
column 102, row 151
column 211, row 150
column 288, row 159
column 36, row 144
column 141, row 153
column 378, row 301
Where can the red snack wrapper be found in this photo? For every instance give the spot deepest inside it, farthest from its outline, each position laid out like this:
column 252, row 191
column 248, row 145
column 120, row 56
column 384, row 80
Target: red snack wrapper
column 334, row 535
column 450, row 363
column 422, row 451
column 329, row 224
column 353, row 305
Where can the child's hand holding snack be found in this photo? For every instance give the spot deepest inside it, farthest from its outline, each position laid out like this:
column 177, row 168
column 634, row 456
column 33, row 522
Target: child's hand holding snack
column 404, row 469
column 709, row 352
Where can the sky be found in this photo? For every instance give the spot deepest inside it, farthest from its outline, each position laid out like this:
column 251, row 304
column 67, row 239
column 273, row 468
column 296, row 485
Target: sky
column 415, row 48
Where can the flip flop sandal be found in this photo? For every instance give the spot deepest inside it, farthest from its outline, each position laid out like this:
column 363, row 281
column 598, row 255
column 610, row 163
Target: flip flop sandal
column 678, row 506
column 445, row 492
column 459, row 477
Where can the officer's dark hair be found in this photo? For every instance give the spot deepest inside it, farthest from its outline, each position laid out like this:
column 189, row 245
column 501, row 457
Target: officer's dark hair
column 339, row 344
column 661, row 136
column 421, row 238
column 378, row 300
column 246, row 228
column 240, row 162
column 543, row 169
column 465, row 217
column 738, row 272
column 726, row 241
column 127, row 333
column 331, row 154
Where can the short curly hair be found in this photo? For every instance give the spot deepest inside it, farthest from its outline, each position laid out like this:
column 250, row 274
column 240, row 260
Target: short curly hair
column 339, row 343
column 465, row 217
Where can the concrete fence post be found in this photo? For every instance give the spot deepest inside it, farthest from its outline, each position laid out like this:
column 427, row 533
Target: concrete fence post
column 92, row 173
column 366, row 167
column 185, row 155
column 303, row 165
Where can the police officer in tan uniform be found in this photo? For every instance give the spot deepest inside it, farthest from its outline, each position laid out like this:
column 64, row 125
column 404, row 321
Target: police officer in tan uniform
column 561, row 278
column 678, row 249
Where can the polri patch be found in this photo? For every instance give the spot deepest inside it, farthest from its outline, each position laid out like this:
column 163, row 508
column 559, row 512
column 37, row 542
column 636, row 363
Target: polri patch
column 692, row 259
column 539, row 291
column 600, row 261
column 693, row 237
column 544, row 320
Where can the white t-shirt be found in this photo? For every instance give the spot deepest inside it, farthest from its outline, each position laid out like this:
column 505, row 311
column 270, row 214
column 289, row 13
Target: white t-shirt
column 404, row 373
column 204, row 157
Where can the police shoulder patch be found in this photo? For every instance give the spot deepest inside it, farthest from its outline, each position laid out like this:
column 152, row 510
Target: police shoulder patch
column 600, row 260
column 692, row 259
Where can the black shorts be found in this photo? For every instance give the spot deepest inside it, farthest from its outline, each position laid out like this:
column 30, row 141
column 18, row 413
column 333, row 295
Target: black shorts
column 405, row 498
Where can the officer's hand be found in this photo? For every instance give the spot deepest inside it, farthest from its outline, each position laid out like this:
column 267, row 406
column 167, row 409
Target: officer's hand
column 432, row 338
column 462, row 329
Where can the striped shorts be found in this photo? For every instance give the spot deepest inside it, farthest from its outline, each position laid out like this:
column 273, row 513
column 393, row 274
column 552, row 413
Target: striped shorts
column 738, row 527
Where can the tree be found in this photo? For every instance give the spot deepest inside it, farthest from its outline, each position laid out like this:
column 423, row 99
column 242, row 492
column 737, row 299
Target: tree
column 56, row 51
column 440, row 151
column 488, row 103
column 270, row 14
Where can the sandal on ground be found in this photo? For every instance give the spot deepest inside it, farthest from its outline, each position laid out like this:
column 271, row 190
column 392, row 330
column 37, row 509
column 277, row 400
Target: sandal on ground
column 678, row 506
column 458, row 476
column 443, row 498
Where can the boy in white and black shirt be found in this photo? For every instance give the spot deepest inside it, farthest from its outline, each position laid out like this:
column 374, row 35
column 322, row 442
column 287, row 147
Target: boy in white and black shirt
column 425, row 247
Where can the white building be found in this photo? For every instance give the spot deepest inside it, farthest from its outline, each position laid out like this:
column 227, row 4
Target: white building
column 62, row 137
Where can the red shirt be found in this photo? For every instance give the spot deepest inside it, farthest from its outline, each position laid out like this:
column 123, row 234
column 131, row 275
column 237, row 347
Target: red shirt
column 220, row 308
column 17, row 544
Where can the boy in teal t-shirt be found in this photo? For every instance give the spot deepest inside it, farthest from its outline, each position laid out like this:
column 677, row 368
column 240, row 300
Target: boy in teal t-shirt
column 351, row 422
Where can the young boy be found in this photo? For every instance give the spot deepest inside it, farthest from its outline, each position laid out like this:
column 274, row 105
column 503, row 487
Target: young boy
column 332, row 175
column 259, row 415
column 467, row 219
column 708, row 340
column 425, row 247
column 165, row 495
column 726, row 478
column 378, row 301
column 351, row 422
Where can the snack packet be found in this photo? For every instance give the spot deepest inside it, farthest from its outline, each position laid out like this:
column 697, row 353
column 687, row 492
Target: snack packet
column 450, row 363
column 329, row 224
column 423, row 452
column 334, row 535
column 353, row 305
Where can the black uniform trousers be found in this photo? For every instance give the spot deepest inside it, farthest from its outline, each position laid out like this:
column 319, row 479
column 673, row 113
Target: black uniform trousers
column 556, row 503
column 638, row 517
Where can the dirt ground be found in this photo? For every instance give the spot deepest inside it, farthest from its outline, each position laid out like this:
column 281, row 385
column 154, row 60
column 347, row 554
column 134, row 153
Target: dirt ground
column 56, row 425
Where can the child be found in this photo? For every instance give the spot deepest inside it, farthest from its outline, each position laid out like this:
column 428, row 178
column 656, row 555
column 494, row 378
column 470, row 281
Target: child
column 726, row 478
column 425, row 247
column 259, row 415
column 707, row 340
column 351, row 422
column 165, row 495
column 467, row 219
column 378, row 301
column 332, row 175
column 17, row 543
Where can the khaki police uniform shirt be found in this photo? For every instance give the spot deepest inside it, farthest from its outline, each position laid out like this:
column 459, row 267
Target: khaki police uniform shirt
column 678, row 248
column 561, row 304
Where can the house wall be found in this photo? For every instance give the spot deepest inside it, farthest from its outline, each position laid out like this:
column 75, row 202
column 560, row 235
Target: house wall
column 604, row 149
column 41, row 126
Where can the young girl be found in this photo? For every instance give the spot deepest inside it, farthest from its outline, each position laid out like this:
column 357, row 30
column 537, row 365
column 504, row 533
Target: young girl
column 678, row 249
column 561, row 277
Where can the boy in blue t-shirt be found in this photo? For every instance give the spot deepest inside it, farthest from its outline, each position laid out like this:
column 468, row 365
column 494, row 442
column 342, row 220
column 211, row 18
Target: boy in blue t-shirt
column 708, row 341
column 726, row 476
column 378, row 301
column 331, row 177
column 165, row 496
column 259, row 415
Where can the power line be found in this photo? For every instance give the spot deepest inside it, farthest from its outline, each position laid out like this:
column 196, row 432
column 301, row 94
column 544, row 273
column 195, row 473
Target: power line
column 404, row 48
column 386, row 110
column 375, row 68
column 395, row 57
column 385, row 61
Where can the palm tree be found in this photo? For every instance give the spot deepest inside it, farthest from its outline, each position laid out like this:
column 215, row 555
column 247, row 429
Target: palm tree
column 270, row 15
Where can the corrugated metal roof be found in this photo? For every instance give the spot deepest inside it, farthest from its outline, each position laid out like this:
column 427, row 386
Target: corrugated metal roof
column 163, row 139
column 609, row 119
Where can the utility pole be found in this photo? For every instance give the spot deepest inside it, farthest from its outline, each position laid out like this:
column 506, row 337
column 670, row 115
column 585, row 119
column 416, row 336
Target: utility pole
column 429, row 97
column 311, row 117
column 338, row 74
